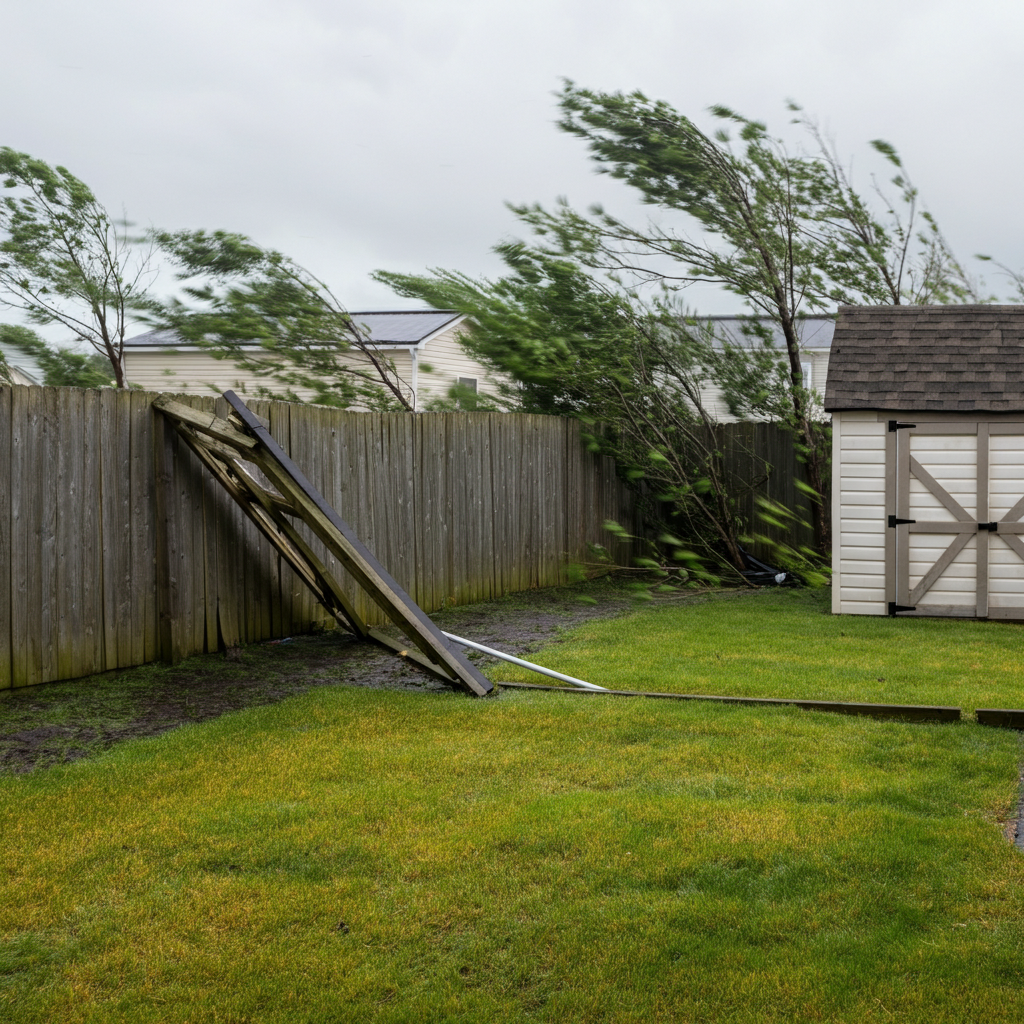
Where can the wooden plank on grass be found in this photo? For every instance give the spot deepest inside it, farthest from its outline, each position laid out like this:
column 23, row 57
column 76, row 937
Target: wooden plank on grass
column 906, row 712
column 1004, row 718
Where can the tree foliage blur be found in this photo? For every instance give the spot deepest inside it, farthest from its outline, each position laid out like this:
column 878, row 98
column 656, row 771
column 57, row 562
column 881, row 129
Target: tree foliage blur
column 784, row 230
column 567, row 343
column 238, row 295
column 64, row 260
column 62, row 367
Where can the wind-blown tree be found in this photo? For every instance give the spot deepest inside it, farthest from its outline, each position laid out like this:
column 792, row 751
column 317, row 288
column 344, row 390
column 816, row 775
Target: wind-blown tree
column 631, row 371
column 61, row 366
column 785, row 231
column 238, row 294
column 64, row 260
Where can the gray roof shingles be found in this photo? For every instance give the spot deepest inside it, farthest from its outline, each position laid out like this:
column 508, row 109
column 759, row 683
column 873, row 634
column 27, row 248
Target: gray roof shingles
column 927, row 358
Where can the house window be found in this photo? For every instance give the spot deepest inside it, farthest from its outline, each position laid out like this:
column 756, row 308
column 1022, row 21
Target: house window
column 468, row 382
column 805, row 369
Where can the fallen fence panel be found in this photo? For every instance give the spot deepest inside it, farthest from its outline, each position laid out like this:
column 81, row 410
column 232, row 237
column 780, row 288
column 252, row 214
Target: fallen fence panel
column 229, row 448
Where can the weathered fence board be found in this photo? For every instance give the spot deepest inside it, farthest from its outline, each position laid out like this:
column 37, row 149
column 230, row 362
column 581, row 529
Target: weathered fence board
column 5, row 541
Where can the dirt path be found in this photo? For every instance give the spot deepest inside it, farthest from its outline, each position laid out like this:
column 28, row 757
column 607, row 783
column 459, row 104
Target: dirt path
column 60, row 722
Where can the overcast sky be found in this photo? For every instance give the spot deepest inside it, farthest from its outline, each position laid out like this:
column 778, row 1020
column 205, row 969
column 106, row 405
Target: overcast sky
column 359, row 135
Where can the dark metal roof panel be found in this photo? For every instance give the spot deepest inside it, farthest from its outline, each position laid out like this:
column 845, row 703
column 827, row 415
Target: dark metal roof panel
column 385, row 328
column 815, row 332
column 404, row 328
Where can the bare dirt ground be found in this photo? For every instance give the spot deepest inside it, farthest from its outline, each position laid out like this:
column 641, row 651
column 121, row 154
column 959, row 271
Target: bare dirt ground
column 59, row 722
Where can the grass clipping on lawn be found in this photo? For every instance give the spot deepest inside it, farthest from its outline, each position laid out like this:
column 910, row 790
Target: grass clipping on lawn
column 362, row 855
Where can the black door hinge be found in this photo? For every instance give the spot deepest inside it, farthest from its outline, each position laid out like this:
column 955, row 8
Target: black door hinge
column 893, row 521
column 894, row 607
column 895, row 425
column 991, row 527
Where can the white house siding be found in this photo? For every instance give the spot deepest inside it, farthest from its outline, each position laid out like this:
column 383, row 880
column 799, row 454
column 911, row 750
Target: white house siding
column 1006, row 486
column 194, row 372
column 443, row 361
column 18, row 377
column 858, row 481
column 711, row 395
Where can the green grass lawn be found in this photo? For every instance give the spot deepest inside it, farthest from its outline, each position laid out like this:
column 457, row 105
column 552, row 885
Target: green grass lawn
column 546, row 857
column 788, row 644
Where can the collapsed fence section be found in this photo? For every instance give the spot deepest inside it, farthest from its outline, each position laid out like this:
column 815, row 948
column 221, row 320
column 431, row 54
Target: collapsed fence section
column 117, row 548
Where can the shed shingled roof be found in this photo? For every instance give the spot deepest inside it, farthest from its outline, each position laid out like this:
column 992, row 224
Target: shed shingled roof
column 927, row 358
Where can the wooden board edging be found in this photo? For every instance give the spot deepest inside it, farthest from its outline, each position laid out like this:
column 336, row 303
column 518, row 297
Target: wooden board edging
column 907, row 712
column 1003, row 718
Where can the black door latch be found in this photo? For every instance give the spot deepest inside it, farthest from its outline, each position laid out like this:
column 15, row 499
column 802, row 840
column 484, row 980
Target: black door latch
column 893, row 521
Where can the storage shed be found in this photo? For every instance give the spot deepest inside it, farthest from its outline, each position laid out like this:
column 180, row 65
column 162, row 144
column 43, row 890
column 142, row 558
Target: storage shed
column 927, row 408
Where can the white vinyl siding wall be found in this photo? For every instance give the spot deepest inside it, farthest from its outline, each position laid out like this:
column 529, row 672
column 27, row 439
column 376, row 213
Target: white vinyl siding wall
column 194, row 372
column 186, row 370
column 859, row 515
column 711, row 396
column 447, row 362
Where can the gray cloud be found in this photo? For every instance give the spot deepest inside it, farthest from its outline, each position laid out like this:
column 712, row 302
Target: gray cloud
column 357, row 136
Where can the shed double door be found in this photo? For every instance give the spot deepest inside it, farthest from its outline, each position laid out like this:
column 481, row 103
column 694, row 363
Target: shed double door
column 954, row 536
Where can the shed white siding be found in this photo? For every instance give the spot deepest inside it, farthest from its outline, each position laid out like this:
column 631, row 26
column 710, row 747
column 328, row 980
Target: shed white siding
column 858, row 514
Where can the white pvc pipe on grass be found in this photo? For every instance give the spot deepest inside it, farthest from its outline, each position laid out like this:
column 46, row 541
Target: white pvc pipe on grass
column 524, row 664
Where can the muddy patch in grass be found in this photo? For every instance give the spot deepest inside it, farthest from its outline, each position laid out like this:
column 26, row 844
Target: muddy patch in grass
column 60, row 722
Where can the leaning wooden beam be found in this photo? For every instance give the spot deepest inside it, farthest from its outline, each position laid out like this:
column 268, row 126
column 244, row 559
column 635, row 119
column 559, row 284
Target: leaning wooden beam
column 230, row 448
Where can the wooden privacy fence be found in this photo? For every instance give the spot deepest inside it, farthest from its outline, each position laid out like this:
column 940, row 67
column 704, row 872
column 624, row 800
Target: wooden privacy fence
column 747, row 449
column 117, row 548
